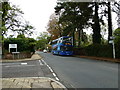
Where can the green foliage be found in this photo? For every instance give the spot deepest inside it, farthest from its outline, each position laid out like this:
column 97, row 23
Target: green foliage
column 43, row 40
column 24, row 44
column 99, row 50
column 21, row 36
column 12, row 20
column 117, row 42
column 74, row 14
column 95, row 50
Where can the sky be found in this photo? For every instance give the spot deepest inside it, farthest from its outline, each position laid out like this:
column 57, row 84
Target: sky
column 37, row 12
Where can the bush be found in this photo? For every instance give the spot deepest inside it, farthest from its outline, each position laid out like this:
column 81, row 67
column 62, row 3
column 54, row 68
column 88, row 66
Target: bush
column 117, row 42
column 23, row 44
column 95, row 50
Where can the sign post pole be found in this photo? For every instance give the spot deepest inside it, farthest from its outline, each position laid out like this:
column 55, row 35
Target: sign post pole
column 113, row 44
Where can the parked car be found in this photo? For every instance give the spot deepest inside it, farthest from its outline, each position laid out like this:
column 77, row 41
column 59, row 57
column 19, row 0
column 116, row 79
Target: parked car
column 45, row 51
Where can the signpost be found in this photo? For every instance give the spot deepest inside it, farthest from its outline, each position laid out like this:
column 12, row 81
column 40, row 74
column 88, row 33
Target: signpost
column 111, row 41
column 12, row 46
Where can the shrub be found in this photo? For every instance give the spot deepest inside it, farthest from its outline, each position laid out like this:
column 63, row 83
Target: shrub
column 95, row 50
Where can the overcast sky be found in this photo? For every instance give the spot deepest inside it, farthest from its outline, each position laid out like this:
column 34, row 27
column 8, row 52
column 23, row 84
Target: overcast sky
column 37, row 12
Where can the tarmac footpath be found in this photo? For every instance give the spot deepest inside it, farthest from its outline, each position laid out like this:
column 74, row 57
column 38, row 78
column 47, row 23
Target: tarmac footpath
column 30, row 83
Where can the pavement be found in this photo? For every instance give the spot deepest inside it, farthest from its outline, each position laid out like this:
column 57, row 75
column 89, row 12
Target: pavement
column 31, row 82
column 34, row 57
column 100, row 58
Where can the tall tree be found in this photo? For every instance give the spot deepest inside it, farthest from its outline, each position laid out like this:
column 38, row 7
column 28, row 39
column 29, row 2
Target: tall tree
column 96, row 26
column 75, row 15
column 42, row 40
column 5, row 8
column 53, row 27
column 109, row 21
column 12, row 19
column 116, row 9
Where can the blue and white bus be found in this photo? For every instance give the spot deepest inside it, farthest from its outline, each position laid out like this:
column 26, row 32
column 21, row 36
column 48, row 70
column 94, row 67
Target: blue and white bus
column 62, row 46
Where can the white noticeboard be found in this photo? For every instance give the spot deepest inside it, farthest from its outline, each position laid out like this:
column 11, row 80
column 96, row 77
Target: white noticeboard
column 111, row 41
column 12, row 46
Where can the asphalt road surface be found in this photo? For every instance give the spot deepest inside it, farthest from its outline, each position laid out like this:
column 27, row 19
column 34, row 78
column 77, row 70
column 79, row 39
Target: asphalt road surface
column 34, row 68
column 83, row 73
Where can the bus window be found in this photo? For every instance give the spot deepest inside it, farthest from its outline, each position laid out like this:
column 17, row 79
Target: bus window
column 55, row 48
column 54, row 42
column 66, row 48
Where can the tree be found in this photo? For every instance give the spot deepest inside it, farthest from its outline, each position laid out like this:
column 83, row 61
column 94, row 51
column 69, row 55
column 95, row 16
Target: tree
column 109, row 22
column 12, row 20
column 26, row 28
column 24, row 44
column 96, row 26
column 75, row 15
column 117, row 42
column 53, row 27
column 42, row 40
column 116, row 9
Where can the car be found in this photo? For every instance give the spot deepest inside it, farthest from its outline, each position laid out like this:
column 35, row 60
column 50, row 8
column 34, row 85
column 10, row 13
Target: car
column 45, row 51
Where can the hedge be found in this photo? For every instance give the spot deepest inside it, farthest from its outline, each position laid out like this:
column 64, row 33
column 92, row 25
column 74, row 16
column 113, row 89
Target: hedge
column 98, row 50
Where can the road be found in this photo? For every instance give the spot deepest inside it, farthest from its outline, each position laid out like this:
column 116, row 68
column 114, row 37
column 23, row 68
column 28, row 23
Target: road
column 35, row 68
column 83, row 73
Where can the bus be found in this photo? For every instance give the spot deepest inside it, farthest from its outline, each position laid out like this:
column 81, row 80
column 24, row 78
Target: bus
column 62, row 46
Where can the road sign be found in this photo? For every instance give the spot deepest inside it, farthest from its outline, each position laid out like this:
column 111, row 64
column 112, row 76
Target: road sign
column 112, row 37
column 111, row 41
column 12, row 46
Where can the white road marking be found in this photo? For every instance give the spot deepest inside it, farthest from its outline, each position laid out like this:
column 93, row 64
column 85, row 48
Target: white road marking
column 44, row 62
column 54, row 74
column 51, row 70
column 10, row 64
column 20, row 66
column 23, row 63
column 57, row 78
column 40, row 62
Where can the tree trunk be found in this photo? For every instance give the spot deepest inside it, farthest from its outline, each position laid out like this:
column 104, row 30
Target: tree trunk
column 109, row 22
column 96, row 27
column 0, row 33
column 73, row 35
column 79, row 37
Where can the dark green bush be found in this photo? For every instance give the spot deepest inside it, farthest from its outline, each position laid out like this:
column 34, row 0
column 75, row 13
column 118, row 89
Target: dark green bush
column 99, row 50
column 95, row 50
column 23, row 44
